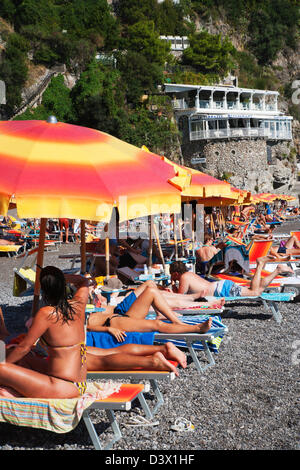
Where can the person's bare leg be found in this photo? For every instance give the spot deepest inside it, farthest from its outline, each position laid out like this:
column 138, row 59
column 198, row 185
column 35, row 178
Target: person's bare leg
column 32, row 384
column 169, row 350
column 142, row 325
column 124, row 361
column 293, row 252
column 151, row 297
column 187, row 300
column 141, row 288
column 258, row 284
column 292, row 242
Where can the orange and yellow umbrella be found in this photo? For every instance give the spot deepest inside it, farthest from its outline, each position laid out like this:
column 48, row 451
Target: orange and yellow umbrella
column 57, row 170
column 197, row 184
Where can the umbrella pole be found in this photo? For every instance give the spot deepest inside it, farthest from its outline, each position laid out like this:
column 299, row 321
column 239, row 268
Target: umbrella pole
column 193, row 250
column 107, row 250
column 82, row 247
column 175, row 236
column 159, row 248
column 39, row 266
column 150, row 241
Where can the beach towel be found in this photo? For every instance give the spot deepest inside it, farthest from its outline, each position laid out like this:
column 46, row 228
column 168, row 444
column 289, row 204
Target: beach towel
column 105, row 340
column 56, row 415
column 101, row 339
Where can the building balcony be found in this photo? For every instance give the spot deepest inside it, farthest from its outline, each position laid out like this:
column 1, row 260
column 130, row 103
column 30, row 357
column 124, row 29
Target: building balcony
column 183, row 104
column 240, row 132
column 179, row 104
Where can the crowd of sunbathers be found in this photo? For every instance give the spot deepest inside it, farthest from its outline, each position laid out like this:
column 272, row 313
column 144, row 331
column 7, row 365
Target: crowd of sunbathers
column 58, row 367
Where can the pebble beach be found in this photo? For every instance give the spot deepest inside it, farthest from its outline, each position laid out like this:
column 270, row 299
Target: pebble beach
column 249, row 400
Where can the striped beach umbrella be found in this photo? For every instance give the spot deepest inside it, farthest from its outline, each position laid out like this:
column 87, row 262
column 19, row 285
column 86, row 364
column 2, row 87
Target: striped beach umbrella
column 57, row 170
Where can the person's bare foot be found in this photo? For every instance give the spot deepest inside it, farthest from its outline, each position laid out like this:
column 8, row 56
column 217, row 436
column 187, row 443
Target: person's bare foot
column 161, row 363
column 217, row 303
column 205, row 326
column 175, row 354
column 263, row 260
column 283, row 268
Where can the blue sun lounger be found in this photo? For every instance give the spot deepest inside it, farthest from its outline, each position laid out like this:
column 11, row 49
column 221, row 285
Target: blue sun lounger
column 194, row 342
column 270, row 300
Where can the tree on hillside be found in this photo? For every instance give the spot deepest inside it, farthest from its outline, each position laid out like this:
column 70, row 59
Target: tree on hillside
column 82, row 18
column 209, row 53
column 139, row 75
column 42, row 13
column 98, row 98
column 14, row 70
column 143, row 38
column 273, row 27
column 134, row 11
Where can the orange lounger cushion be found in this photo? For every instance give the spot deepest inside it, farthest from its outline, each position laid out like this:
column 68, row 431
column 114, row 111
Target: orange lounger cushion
column 127, row 393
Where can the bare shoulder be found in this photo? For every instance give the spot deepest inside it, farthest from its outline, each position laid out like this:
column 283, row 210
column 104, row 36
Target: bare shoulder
column 45, row 312
column 189, row 275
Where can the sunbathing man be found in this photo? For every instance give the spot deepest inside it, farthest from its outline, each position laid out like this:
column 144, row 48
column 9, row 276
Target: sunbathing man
column 174, row 300
column 207, row 251
column 190, row 282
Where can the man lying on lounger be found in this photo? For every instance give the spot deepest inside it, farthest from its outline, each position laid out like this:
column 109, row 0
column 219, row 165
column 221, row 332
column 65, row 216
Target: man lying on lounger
column 190, row 282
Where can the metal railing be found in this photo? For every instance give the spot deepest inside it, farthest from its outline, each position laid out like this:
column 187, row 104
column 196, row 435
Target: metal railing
column 240, row 132
column 207, row 104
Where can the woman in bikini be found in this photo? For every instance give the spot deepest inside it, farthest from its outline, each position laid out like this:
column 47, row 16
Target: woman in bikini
column 60, row 327
column 124, row 357
column 130, row 315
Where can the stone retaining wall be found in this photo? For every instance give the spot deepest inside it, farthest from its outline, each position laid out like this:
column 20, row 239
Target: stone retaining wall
column 253, row 164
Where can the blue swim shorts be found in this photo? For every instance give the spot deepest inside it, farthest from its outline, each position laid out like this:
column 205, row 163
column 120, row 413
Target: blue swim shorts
column 123, row 307
column 227, row 288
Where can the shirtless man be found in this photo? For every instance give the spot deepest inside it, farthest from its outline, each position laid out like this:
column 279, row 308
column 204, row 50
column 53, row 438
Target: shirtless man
column 190, row 282
column 207, row 251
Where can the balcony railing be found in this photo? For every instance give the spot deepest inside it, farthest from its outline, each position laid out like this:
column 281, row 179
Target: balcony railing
column 240, row 132
column 179, row 104
column 207, row 104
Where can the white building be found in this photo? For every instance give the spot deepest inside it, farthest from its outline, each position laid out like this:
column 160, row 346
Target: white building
column 225, row 112
column 178, row 43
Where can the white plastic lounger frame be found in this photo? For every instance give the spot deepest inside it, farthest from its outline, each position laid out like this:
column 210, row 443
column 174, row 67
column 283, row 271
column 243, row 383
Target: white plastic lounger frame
column 270, row 300
column 190, row 339
column 109, row 408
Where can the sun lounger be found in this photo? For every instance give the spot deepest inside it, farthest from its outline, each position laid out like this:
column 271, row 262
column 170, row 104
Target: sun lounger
column 10, row 250
column 24, row 280
column 204, row 310
column 270, row 300
column 195, row 342
column 153, row 377
column 63, row 415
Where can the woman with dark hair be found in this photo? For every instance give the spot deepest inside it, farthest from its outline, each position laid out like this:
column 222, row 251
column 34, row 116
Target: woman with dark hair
column 59, row 327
